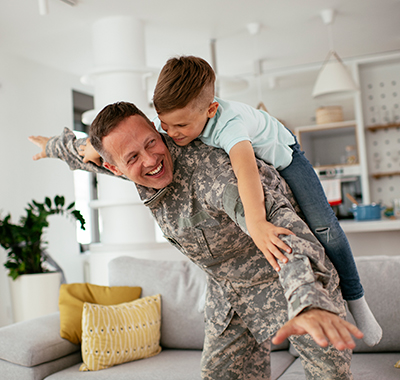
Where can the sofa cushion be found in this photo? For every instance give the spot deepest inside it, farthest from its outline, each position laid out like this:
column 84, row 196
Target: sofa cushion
column 371, row 366
column 381, row 281
column 11, row 371
column 33, row 342
column 182, row 287
column 280, row 361
column 167, row 365
column 72, row 297
column 121, row 333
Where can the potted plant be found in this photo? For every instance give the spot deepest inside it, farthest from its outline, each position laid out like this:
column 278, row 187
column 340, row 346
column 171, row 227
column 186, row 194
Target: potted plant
column 26, row 255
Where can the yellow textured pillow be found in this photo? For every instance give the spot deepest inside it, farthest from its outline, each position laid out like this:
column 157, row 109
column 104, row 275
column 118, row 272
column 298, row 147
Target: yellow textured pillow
column 72, row 297
column 397, row 365
column 121, row 333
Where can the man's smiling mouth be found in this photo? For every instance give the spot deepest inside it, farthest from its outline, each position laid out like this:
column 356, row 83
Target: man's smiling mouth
column 156, row 170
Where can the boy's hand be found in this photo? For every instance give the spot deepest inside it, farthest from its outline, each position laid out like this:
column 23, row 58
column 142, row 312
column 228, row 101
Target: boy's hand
column 41, row 142
column 89, row 154
column 323, row 326
column 266, row 237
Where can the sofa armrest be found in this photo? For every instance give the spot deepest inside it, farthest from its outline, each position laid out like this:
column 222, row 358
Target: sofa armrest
column 34, row 342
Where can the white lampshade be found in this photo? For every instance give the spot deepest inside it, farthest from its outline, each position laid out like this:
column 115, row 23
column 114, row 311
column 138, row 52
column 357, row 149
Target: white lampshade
column 333, row 77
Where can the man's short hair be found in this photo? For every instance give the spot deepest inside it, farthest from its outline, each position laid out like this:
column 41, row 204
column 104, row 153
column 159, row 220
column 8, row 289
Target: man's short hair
column 184, row 80
column 107, row 120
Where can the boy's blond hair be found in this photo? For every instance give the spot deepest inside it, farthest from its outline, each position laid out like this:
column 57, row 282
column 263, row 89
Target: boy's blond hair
column 184, row 80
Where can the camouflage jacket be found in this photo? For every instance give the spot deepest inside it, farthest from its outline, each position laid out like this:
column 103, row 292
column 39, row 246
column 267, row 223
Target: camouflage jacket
column 201, row 214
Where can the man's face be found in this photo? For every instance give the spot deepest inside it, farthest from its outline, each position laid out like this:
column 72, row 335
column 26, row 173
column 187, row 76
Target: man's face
column 186, row 124
column 139, row 153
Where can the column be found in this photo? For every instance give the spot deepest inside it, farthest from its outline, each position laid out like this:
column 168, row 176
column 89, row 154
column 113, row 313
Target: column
column 126, row 225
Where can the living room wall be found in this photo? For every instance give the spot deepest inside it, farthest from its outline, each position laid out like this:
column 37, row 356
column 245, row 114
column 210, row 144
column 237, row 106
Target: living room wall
column 35, row 100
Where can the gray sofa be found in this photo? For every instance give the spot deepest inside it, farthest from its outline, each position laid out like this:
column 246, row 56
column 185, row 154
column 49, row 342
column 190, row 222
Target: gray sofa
column 33, row 350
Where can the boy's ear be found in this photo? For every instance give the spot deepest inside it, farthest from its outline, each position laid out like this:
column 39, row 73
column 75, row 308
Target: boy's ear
column 112, row 168
column 212, row 109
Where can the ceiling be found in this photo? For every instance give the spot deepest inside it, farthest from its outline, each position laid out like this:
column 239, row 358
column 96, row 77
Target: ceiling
column 292, row 32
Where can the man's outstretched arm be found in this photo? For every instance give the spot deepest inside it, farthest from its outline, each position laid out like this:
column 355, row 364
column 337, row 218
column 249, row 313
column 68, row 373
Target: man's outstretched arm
column 69, row 149
column 323, row 326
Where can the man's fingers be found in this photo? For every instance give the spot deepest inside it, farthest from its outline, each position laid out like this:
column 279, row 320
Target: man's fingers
column 316, row 332
column 283, row 333
column 353, row 329
column 38, row 156
column 338, row 333
column 288, row 329
column 345, row 340
column 324, row 327
column 41, row 142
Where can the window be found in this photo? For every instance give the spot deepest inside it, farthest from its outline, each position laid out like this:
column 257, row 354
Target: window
column 85, row 183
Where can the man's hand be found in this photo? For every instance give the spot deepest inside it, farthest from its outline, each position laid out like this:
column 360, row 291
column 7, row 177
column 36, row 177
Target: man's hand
column 266, row 237
column 41, row 142
column 89, row 153
column 323, row 326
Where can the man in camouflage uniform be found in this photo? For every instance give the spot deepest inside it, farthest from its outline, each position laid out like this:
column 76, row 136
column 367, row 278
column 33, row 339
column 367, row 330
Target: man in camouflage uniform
column 192, row 193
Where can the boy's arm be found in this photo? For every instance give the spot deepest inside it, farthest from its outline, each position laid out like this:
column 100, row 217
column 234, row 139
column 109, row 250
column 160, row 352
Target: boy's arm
column 264, row 234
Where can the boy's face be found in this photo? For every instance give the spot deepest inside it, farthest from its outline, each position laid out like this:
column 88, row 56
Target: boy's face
column 184, row 125
column 139, row 153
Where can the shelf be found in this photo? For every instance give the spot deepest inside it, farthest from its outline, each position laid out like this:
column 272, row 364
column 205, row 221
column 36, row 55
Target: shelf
column 321, row 127
column 375, row 128
column 325, row 144
column 370, row 225
column 381, row 175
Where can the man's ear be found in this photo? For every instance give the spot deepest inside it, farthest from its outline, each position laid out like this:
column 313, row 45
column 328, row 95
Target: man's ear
column 112, row 168
column 212, row 109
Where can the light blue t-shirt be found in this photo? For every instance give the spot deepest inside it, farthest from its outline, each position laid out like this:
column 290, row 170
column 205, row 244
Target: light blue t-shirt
column 235, row 122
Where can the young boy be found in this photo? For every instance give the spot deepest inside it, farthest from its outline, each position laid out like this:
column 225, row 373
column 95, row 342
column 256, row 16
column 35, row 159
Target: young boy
column 187, row 109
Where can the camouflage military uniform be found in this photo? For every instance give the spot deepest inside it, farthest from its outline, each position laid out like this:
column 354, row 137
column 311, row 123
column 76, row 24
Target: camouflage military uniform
column 200, row 213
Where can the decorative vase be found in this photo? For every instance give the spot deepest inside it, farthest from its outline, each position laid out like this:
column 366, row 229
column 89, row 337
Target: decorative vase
column 34, row 295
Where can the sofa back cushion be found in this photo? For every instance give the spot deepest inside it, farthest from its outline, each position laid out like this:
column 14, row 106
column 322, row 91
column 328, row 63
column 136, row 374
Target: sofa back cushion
column 182, row 286
column 380, row 277
column 73, row 296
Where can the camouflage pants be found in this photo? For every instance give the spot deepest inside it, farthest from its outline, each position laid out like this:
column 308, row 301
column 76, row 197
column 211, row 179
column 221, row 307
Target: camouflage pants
column 235, row 355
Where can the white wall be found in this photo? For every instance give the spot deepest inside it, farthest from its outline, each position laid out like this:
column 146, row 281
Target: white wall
column 35, row 100
column 290, row 100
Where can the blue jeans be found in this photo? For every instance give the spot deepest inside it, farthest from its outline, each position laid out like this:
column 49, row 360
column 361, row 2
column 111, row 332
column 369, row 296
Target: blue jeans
column 322, row 221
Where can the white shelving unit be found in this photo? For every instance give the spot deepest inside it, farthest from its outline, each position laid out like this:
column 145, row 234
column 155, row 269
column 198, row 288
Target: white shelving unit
column 375, row 128
column 379, row 81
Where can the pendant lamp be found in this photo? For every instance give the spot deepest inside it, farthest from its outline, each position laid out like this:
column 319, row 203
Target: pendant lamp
column 333, row 77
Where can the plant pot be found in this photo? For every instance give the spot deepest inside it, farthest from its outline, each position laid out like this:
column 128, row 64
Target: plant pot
column 34, row 295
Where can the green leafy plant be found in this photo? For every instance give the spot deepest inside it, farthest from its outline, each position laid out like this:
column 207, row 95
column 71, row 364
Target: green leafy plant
column 24, row 242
